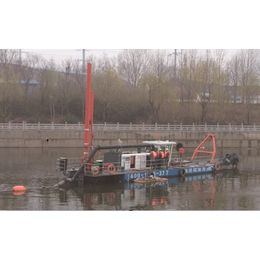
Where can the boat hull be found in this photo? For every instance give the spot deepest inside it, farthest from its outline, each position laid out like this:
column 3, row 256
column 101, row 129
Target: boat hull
column 119, row 177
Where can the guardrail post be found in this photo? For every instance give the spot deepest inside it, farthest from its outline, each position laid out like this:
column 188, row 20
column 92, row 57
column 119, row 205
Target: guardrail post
column 143, row 127
column 105, row 126
column 156, row 127
column 181, row 126
column 168, row 127
column 193, row 127
column 52, row 126
column 242, row 127
column 24, row 125
column 39, row 126
column 117, row 126
column 217, row 126
column 205, row 127
column 66, row 127
column 254, row 127
column 79, row 125
column 229, row 127
column 130, row 126
column 9, row 126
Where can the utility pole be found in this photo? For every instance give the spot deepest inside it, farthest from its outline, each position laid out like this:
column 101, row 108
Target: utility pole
column 20, row 55
column 175, row 62
column 175, row 53
column 83, row 60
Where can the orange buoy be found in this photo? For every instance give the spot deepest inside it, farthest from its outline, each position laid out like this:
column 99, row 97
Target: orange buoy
column 19, row 189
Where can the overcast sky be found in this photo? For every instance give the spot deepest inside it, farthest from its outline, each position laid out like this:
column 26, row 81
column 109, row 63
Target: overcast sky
column 59, row 55
column 63, row 54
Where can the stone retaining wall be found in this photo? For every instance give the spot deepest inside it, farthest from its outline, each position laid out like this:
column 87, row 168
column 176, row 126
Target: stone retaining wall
column 75, row 138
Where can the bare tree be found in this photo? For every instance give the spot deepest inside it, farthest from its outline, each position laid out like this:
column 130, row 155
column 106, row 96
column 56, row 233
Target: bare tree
column 9, row 83
column 233, row 89
column 204, row 82
column 219, row 80
column 186, row 85
column 66, row 86
column 249, row 78
column 187, row 74
column 158, row 85
column 27, row 73
column 133, row 64
column 106, row 85
column 233, row 76
column 80, row 88
column 46, row 82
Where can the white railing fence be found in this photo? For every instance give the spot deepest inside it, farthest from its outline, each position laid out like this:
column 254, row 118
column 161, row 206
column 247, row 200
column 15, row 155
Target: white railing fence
column 127, row 127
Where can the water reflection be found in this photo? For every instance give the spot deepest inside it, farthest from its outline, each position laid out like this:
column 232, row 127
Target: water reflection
column 191, row 192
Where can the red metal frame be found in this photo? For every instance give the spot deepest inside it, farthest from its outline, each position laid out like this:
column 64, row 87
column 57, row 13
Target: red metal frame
column 88, row 136
column 202, row 151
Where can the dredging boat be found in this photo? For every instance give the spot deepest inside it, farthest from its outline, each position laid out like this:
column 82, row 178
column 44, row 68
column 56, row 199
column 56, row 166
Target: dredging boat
column 136, row 162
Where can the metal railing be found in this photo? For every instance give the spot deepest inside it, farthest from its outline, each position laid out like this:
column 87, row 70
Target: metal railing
column 127, row 127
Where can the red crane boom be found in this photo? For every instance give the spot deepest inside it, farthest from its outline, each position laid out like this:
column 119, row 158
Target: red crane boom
column 197, row 150
column 88, row 132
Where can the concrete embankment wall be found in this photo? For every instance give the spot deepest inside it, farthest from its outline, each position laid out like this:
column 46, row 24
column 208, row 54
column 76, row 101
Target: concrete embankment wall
column 34, row 138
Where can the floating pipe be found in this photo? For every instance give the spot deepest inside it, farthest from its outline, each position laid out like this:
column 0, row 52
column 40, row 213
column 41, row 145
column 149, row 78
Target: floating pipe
column 60, row 183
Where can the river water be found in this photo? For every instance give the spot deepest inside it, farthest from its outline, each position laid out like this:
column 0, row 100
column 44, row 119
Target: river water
column 35, row 168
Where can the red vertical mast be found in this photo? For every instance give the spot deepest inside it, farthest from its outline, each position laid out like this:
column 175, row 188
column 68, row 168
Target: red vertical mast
column 88, row 115
column 91, row 116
